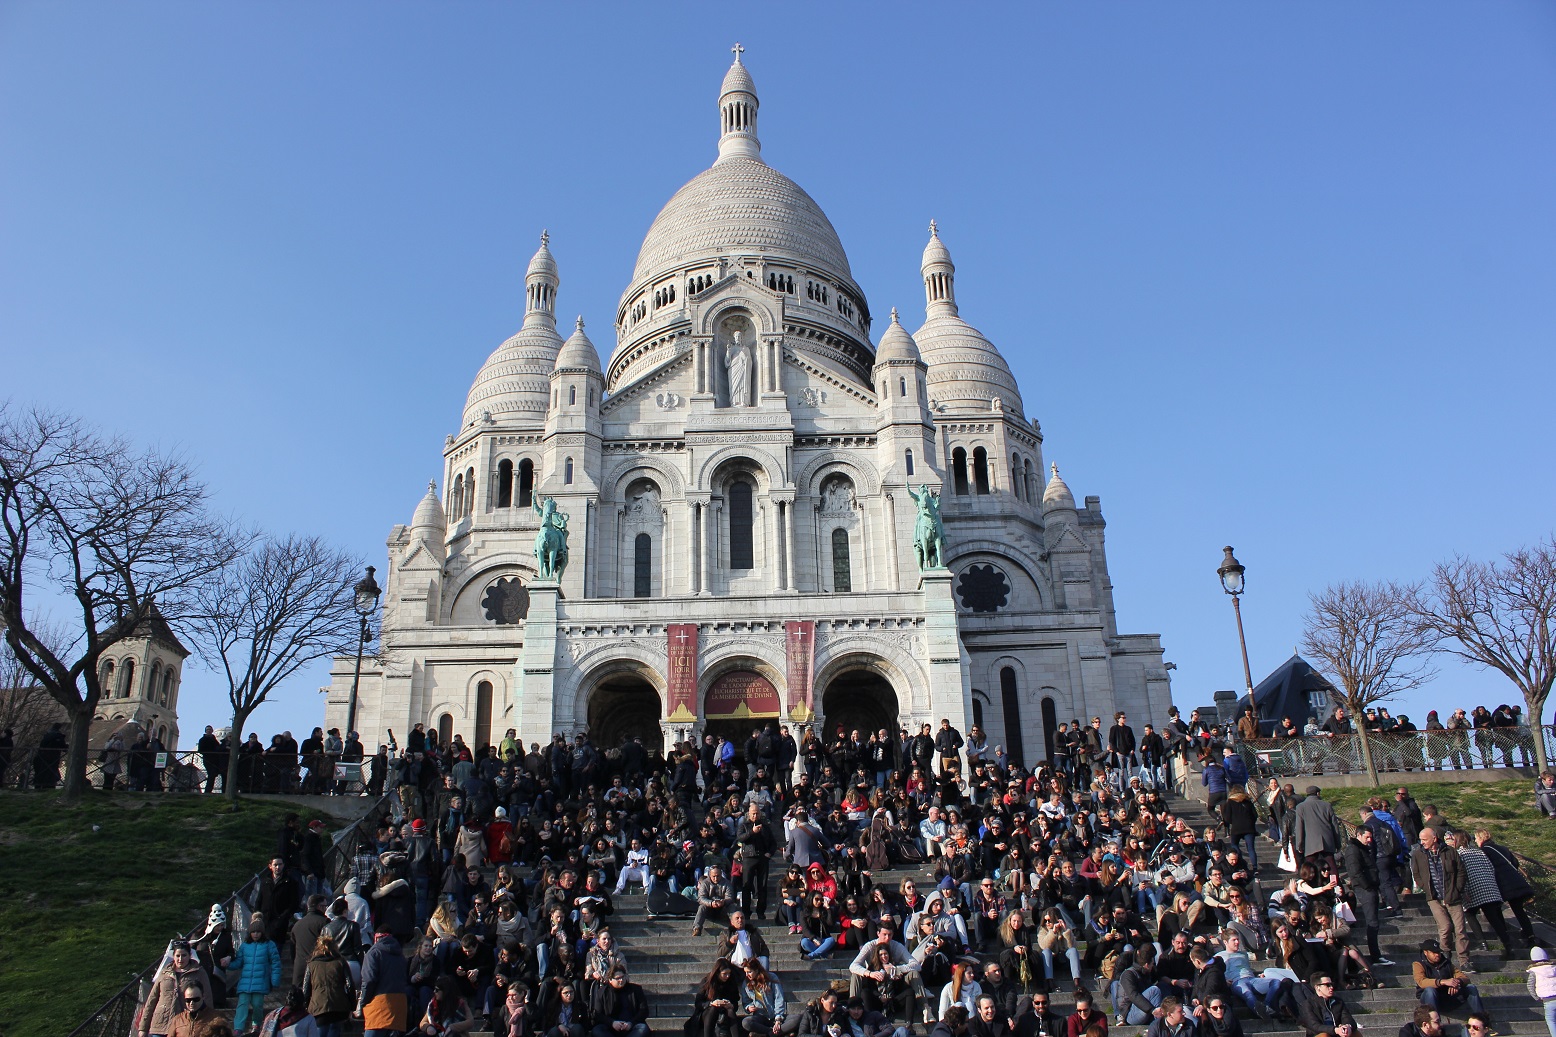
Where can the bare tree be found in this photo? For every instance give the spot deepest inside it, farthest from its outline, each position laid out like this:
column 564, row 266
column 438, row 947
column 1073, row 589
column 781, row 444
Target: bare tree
column 26, row 710
column 1368, row 639
column 114, row 531
column 285, row 603
column 1502, row 615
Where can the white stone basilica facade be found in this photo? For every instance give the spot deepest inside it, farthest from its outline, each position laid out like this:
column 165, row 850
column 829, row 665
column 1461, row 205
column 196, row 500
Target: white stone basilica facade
column 740, row 489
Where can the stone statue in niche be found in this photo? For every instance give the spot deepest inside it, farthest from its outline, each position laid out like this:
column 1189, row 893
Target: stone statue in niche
column 737, row 363
column 837, row 497
column 644, row 505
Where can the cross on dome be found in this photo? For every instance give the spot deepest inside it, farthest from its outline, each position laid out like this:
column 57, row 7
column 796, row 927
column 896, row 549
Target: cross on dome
column 545, row 238
column 737, row 50
column 934, row 229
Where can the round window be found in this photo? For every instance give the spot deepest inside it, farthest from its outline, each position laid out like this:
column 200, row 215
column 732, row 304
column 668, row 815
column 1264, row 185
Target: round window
column 506, row 601
column 983, row 588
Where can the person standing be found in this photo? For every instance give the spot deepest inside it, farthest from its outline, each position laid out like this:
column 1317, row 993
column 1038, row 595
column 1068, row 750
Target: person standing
column 1481, row 892
column 1511, row 880
column 258, row 962
column 113, row 760
column 1121, row 750
column 1363, row 882
column 381, row 1001
column 756, row 847
column 948, row 744
column 1439, row 873
column 210, row 747
column 1315, row 830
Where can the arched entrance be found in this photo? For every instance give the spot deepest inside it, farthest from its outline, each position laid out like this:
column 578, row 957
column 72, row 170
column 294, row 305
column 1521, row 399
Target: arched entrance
column 623, row 706
column 859, row 698
column 738, row 703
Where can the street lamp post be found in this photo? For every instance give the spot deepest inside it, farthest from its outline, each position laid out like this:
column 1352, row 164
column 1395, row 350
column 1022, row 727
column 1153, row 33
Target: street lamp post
column 1231, row 573
column 366, row 603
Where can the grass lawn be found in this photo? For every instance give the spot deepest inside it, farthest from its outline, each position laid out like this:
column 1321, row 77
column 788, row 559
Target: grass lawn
column 81, row 911
column 1504, row 808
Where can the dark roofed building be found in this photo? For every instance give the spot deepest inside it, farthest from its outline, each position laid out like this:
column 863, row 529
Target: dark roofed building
column 1294, row 689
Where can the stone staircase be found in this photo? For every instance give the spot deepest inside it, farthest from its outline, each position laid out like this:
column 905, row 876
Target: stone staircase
column 668, row 962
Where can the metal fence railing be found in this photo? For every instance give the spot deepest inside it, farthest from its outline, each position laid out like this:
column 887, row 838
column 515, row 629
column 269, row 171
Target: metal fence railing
column 1412, row 751
column 116, row 1016
column 31, row 767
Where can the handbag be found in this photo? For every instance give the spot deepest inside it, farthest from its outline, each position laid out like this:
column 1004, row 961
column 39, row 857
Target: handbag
column 1288, row 859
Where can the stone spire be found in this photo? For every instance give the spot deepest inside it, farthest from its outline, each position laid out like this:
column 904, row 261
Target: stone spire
column 737, row 113
column 1057, row 495
column 540, row 285
column 939, row 276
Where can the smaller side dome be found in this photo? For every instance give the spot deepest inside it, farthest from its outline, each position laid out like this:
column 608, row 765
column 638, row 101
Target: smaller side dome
column 897, row 344
column 429, row 513
column 578, row 352
column 737, row 80
column 1057, row 495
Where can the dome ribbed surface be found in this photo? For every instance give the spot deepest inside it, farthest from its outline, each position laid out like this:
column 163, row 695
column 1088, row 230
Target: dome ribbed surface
column 515, row 382
column 737, row 80
column 737, row 206
column 896, row 343
column 1057, row 495
column 578, row 352
column 429, row 513
column 965, row 370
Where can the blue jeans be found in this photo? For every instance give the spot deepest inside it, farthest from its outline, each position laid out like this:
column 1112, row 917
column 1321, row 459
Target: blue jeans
column 1441, row 1000
column 1135, row 1016
column 1072, row 955
column 812, row 949
column 1250, row 847
column 1252, row 988
column 1550, row 1017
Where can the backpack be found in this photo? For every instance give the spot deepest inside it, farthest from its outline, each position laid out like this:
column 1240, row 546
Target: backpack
column 1385, row 842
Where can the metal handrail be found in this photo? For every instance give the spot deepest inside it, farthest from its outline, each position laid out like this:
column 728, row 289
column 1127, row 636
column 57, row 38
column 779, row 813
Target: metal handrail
column 185, row 771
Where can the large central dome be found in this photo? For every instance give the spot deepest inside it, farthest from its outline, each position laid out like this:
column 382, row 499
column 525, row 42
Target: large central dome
column 740, row 206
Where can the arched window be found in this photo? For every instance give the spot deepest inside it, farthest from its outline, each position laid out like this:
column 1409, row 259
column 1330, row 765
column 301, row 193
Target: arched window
column 470, row 492
column 526, row 482
column 456, row 499
column 167, row 686
column 153, row 679
column 1010, row 700
column 572, row 395
column 445, row 729
column 127, row 680
column 907, row 461
column 567, row 471
column 1017, row 486
column 977, row 710
column 643, row 566
column 505, row 484
column 483, row 714
column 105, row 679
column 981, row 469
column 959, row 471
column 1033, row 489
column 1050, row 726
column 842, row 574
column 902, row 387
column 742, row 551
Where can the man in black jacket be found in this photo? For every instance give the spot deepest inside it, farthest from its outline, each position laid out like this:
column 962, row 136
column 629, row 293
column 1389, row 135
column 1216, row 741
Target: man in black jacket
column 1137, row 996
column 1153, row 758
column 279, row 899
column 755, row 848
column 1037, row 1020
column 948, row 743
column 1320, row 1010
column 1362, row 879
column 619, row 1008
column 1122, row 760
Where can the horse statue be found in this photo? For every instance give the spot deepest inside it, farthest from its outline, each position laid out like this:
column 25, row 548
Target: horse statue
column 928, row 531
column 550, row 540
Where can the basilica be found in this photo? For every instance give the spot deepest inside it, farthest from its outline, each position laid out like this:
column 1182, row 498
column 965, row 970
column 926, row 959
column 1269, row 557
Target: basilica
column 750, row 511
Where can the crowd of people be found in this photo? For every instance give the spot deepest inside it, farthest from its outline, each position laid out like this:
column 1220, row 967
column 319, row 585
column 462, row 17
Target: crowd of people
column 487, row 901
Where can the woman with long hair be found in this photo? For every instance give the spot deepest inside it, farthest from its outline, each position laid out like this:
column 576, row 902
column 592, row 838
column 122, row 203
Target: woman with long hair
column 1019, row 954
column 962, row 990
column 791, row 898
column 716, row 1002
column 447, row 1012
column 761, row 999
column 1336, row 934
column 327, row 987
column 818, row 927
column 1055, row 938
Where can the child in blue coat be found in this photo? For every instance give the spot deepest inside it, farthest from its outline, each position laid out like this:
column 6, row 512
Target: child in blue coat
column 258, row 964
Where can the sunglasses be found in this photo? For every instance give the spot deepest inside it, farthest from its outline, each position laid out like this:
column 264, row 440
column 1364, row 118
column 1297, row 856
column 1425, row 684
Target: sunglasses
column 1216, row 1008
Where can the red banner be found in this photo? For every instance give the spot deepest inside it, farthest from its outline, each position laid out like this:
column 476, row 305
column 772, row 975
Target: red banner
column 799, row 637
column 741, row 695
column 682, row 677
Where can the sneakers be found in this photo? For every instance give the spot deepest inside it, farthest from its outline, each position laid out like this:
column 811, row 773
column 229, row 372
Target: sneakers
column 1384, row 961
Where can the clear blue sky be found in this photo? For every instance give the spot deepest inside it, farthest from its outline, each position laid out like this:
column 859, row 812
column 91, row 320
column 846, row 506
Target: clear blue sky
column 1279, row 276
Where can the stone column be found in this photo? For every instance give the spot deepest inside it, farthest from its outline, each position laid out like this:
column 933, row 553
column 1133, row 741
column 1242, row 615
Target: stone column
column 950, row 690
column 535, row 705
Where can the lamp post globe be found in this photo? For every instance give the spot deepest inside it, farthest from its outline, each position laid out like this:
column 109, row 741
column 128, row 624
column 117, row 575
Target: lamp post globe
column 365, row 600
column 1232, row 572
